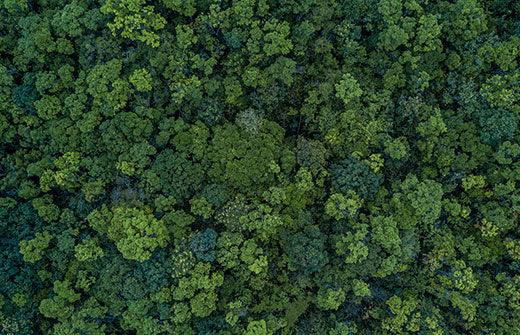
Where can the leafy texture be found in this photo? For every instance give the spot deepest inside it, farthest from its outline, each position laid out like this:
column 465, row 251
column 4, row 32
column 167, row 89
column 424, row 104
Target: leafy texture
column 259, row 167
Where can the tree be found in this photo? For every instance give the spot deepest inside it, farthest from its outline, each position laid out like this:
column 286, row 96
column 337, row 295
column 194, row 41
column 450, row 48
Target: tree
column 135, row 232
column 352, row 175
column 88, row 250
column 306, row 251
column 338, row 206
column 330, row 299
column 418, row 201
column 134, row 20
column 348, row 89
column 32, row 250
column 240, row 160
column 256, row 328
column 142, row 80
column 203, row 245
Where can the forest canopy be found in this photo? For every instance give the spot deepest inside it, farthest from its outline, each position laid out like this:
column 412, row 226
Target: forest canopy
column 259, row 167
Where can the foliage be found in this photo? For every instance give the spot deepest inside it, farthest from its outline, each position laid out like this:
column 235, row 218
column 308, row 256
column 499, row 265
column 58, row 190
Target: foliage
column 310, row 167
column 135, row 232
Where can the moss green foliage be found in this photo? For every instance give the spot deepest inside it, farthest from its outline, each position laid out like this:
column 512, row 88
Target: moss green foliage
column 260, row 167
column 135, row 232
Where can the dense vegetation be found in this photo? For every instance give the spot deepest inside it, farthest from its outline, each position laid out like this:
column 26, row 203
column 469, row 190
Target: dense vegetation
column 288, row 167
